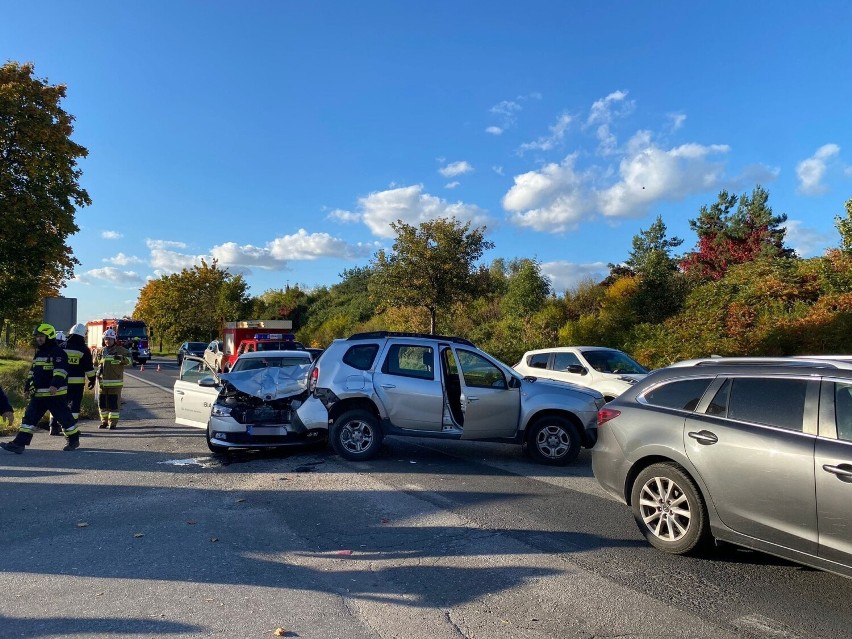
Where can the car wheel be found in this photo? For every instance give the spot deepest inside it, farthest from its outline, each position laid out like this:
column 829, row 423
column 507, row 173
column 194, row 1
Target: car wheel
column 553, row 440
column 669, row 509
column 215, row 448
column 355, row 435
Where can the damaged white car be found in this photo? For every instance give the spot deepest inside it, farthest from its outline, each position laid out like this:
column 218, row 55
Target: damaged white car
column 253, row 406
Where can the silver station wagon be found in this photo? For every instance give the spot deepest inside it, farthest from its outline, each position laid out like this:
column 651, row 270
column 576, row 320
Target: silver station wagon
column 755, row 452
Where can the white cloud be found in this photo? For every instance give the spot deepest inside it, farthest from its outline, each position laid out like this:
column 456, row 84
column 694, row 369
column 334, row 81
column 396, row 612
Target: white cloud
column 111, row 275
column 805, row 241
column 344, row 216
column 165, row 262
column 494, row 130
column 111, row 235
column 676, row 120
column 123, row 260
column 812, row 170
column 456, row 168
column 497, row 169
column 557, row 197
column 276, row 254
column 555, row 137
column 601, row 116
column 451, row 185
column 164, row 244
column 507, row 112
column 412, row 206
column 566, row 275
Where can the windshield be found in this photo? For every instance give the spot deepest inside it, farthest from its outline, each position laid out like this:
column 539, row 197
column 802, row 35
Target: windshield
column 605, row 361
column 289, row 345
column 196, row 346
column 129, row 332
column 254, row 363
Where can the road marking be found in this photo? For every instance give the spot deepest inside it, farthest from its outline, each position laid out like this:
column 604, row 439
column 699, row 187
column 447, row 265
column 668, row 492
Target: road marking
column 765, row 626
column 150, row 383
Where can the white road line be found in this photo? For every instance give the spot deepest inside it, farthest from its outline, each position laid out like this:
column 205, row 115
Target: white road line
column 145, row 381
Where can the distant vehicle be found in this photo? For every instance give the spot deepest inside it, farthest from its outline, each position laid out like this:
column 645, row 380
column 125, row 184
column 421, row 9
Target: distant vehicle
column 190, row 348
column 214, row 355
column 253, row 406
column 607, row 370
column 243, row 336
column 130, row 333
column 384, row 383
column 756, row 452
column 315, row 352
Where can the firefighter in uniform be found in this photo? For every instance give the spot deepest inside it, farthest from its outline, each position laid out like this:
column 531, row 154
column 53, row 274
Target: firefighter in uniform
column 80, row 370
column 111, row 360
column 47, row 387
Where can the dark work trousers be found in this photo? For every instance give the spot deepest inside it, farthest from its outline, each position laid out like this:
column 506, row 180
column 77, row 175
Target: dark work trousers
column 38, row 406
column 109, row 403
column 75, row 398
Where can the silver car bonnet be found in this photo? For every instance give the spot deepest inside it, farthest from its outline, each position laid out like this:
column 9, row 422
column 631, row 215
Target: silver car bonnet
column 548, row 384
column 270, row 383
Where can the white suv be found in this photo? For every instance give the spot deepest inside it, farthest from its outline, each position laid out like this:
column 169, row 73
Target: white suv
column 607, row 370
column 383, row 383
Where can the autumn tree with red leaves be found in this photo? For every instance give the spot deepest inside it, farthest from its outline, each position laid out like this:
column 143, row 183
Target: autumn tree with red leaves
column 727, row 236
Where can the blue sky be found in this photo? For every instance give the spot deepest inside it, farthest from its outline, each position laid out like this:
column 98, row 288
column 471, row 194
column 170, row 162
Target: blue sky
column 282, row 138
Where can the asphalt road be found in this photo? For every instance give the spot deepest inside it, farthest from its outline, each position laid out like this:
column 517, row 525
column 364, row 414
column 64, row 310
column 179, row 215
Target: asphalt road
column 142, row 533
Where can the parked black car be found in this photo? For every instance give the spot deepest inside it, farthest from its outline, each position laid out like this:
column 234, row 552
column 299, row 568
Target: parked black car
column 190, row 348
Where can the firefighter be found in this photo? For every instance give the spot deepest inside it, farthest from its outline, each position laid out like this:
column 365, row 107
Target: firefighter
column 47, row 388
column 111, row 360
column 80, row 370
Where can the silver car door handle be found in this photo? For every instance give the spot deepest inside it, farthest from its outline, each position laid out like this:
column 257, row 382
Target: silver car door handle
column 388, row 385
column 472, row 399
column 704, row 437
column 179, row 392
column 844, row 473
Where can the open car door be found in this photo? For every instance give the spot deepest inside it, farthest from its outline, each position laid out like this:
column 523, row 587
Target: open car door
column 194, row 402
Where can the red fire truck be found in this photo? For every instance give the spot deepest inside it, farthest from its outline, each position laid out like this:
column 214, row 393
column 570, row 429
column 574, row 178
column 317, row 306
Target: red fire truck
column 250, row 335
column 130, row 333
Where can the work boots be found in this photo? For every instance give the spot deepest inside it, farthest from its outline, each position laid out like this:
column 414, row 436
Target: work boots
column 73, row 442
column 12, row 447
column 55, row 429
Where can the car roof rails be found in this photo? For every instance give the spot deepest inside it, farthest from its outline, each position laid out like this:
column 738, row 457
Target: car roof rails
column 384, row 334
column 798, row 361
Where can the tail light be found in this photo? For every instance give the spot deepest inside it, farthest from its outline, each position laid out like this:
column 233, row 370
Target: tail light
column 606, row 414
column 312, row 383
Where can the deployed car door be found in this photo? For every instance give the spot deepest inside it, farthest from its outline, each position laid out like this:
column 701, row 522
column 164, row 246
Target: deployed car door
column 491, row 408
column 833, row 470
column 410, row 390
column 754, row 446
column 193, row 403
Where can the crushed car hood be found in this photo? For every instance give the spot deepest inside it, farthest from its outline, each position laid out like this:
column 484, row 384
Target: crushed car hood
column 270, row 383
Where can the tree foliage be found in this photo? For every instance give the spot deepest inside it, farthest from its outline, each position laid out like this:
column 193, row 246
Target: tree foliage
column 844, row 227
column 193, row 304
column 431, row 266
column 39, row 189
column 728, row 236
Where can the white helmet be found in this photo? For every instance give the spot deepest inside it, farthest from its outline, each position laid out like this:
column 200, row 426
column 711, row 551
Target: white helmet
column 60, row 336
column 78, row 329
column 109, row 333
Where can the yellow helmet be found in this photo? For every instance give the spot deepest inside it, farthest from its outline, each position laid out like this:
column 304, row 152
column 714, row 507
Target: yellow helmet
column 45, row 329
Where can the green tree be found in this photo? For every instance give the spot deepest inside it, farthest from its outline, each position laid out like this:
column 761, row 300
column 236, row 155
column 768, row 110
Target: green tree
column 844, row 227
column 431, row 266
column 193, row 304
column 39, row 189
column 527, row 290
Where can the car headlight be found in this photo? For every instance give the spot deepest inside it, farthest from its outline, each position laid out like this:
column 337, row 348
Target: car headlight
column 221, row 411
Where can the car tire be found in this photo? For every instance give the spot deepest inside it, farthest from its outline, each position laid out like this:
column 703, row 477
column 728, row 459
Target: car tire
column 214, row 448
column 356, row 435
column 553, row 440
column 669, row 509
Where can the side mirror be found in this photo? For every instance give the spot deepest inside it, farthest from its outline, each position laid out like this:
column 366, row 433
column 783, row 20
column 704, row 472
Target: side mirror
column 576, row 369
column 514, row 382
column 208, row 382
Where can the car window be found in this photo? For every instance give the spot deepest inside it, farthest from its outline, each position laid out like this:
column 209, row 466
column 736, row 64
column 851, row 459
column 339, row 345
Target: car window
column 192, row 370
column 361, row 356
column 774, row 402
column 539, row 360
column 682, row 394
column 843, row 410
column 561, row 361
column 478, row 372
column 410, row 361
column 719, row 404
column 606, row 361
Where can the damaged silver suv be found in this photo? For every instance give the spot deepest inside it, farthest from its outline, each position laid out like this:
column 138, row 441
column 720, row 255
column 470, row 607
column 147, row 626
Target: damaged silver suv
column 384, row 383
